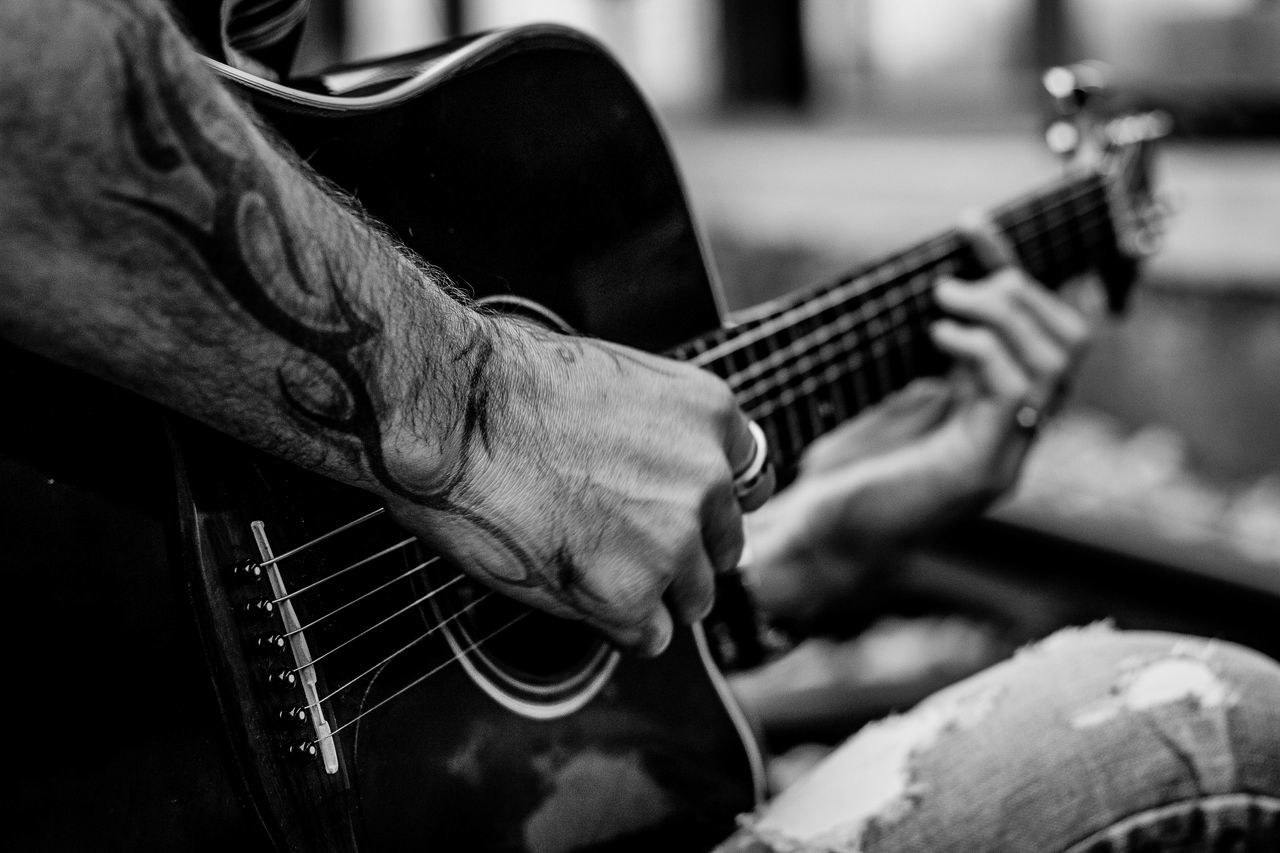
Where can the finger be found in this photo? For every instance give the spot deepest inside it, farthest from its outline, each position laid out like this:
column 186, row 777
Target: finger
column 995, row 304
column 740, row 442
column 1064, row 323
column 896, row 421
column 983, row 351
column 693, row 592
column 639, row 623
column 656, row 634
column 722, row 533
column 989, row 246
column 993, row 252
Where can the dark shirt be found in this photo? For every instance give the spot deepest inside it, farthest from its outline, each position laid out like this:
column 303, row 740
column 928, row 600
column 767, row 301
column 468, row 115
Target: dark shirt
column 255, row 35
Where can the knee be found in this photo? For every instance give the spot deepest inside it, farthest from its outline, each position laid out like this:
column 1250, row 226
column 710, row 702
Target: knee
column 1214, row 705
column 1070, row 738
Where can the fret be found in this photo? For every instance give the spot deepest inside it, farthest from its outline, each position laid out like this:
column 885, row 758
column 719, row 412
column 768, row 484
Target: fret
column 903, row 322
column 735, row 361
column 1038, row 213
column 862, row 396
column 818, row 402
column 1061, row 233
column 1019, row 233
column 1079, row 223
column 806, row 414
column 791, row 417
column 930, row 359
column 836, row 404
column 786, row 399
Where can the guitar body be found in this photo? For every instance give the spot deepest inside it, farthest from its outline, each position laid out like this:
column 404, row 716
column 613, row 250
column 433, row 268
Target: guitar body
column 163, row 696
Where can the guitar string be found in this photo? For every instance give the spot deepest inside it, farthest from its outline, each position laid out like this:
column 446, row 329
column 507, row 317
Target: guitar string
column 830, row 343
column 311, row 586
column 846, row 322
column 322, row 537
column 453, row 617
column 431, row 672
column 867, row 304
column 821, row 337
column 802, row 374
column 361, row 597
column 846, row 354
column 384, row 620
column 859, row 286
column 816, row 341
column 856, row 354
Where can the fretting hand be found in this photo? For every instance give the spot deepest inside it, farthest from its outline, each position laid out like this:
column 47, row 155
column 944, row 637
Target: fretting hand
column 938, row 451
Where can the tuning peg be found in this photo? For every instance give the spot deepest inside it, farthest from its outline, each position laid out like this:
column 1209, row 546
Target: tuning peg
column 1072, row 89
column 1072, row 86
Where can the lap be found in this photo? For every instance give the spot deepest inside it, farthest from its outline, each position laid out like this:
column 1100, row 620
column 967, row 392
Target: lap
column 1093, row 740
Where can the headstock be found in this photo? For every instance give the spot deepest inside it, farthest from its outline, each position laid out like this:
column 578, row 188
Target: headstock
column 1119, row 147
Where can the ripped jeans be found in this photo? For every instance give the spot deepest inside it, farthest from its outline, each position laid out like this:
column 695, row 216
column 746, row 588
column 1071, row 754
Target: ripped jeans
column 1093, row 740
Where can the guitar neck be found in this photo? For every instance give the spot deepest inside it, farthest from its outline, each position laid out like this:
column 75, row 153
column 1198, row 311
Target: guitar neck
column 816, row 358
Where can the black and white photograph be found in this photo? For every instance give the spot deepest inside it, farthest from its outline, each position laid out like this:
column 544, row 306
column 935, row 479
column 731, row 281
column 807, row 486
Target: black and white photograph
column 604, row 426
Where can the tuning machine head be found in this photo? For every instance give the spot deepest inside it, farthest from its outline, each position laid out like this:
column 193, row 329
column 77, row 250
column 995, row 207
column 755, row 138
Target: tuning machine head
column 1074, row 91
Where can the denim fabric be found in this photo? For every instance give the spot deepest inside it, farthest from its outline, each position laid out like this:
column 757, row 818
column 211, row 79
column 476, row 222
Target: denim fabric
column 1093, row 741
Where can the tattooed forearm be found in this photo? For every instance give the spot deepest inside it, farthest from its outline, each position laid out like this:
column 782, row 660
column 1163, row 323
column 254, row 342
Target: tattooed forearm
column 285, row 292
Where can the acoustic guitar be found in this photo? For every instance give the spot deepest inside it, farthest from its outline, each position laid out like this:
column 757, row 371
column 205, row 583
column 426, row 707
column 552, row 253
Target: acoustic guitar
column 212, row 649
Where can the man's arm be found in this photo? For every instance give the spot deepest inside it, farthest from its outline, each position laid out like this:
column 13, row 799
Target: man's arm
column 152, row 234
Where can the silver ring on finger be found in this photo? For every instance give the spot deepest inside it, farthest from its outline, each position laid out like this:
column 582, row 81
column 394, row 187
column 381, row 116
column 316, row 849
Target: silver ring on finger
column 753, row 485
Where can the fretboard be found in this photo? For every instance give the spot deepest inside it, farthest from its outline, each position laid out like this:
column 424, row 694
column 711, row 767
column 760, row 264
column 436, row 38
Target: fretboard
column 817, row 357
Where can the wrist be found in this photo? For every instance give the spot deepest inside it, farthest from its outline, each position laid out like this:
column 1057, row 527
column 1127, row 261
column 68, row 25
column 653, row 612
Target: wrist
column 442, row 409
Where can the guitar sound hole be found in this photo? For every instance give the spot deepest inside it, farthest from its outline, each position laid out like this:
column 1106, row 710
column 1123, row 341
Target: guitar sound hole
column 524, row 645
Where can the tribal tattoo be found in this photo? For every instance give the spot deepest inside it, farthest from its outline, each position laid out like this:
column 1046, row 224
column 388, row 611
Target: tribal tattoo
column 239, row 238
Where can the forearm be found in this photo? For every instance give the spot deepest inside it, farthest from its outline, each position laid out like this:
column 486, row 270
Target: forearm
column 150, row 233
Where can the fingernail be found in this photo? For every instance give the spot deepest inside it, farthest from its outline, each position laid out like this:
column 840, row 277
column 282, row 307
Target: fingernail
column 659, row 640
column 947, row 287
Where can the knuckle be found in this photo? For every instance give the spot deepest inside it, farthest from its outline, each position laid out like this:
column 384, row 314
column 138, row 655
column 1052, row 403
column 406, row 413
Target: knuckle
column 985, row 341
column 1079, row 334
column 1009, row 283
column 1056, row 363
column 1019, row 389
column 728, row 550
column 633, row 601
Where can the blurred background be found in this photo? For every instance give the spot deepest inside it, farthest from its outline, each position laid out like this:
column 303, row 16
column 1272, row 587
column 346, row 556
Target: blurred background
column 814, row 134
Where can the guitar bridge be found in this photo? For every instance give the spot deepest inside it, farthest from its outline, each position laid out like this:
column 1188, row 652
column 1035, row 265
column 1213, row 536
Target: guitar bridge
column 302, row 659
